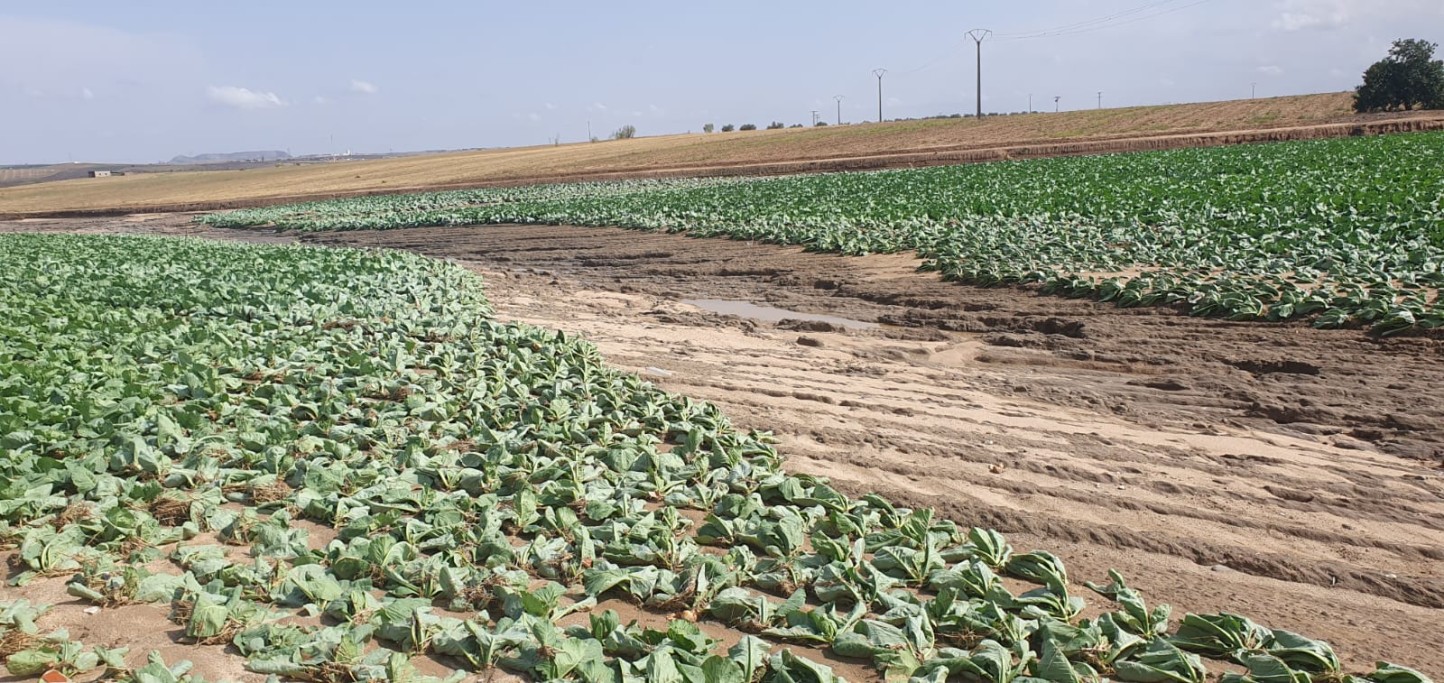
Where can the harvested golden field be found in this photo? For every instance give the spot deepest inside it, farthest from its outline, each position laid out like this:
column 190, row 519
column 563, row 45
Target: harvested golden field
column 898, row 144
column 24, row 173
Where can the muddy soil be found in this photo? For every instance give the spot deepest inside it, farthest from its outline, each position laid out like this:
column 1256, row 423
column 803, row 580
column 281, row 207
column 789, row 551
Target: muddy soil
column 1289, row 474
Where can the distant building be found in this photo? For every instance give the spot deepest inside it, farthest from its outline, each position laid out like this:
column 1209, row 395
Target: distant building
column 100, row 174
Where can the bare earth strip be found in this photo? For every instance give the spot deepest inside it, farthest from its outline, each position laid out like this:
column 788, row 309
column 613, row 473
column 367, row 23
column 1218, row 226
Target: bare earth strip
column 847, row 148
column 1289, row 474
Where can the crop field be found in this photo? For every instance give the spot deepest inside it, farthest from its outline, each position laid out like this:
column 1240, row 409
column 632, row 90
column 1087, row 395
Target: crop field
column 413, row 479
column 896, row 144
column 1341, row 233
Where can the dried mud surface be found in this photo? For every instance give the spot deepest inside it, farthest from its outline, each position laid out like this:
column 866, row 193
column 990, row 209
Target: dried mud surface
column 1286, row 473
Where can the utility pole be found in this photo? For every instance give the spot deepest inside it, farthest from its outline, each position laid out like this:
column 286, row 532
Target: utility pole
column 589, row 130
column 1100, row 99
column 1253, row 93
column 814, row 118
column 839, row 99
column 879, row 73
column 979, row 35
column 1056, row 106
column 1030, row 103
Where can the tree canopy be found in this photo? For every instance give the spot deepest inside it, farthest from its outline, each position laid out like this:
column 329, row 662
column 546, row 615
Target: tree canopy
column 1408, row 78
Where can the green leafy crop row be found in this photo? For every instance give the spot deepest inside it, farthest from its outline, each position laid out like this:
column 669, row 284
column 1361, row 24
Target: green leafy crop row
column 431, row 482
column 1340, row 232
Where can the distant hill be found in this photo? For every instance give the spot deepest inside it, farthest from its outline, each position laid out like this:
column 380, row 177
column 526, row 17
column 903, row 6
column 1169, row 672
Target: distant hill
column 230, row 157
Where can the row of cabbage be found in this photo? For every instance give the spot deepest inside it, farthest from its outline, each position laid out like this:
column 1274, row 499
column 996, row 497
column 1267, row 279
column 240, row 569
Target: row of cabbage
column 1343, row 232
column 485, row 493
column 434, row 208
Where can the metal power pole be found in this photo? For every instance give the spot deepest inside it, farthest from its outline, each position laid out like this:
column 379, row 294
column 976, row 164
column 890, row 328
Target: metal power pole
column 814, row 118
column 1057, row 107
column 1100, row 99
column 1253, row 92
column 1030, row 103
column 979, row 35
column 879, row 73
column 839, row 99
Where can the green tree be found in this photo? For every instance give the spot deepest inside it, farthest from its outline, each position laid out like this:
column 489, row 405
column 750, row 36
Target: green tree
column 1409, row 77
column 626, row 132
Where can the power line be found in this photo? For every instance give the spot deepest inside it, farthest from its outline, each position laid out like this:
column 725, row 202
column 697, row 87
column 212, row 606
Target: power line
column 934, row 61
column 1132, row 15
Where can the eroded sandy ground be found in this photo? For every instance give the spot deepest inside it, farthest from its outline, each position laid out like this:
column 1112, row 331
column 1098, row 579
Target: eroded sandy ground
column 1285, row 473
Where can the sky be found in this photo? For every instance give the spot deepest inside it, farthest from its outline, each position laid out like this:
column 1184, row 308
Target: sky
column 110, row 81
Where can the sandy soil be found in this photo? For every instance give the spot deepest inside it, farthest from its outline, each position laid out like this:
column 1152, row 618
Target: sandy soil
column 1289, row 474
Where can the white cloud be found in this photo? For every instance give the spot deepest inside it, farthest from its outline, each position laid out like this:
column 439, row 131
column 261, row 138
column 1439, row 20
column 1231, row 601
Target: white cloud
column 86, row 94
column 244, row 98
column 551, row 107
column 1298, row 15
column 597, row 106
column 364, row 87
column 1289, row 21
column 1271, row 70
column 1303, row 15
column 533, row 117
column 320, row 99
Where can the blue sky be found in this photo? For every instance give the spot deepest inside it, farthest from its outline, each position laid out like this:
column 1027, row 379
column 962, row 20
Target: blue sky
column 143, row 81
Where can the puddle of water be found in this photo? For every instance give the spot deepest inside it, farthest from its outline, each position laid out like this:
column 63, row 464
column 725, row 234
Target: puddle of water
column 745, row 309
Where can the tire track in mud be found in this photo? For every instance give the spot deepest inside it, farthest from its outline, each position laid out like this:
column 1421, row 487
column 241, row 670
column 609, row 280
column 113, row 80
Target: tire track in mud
column 1116, row 438
column 923, row 458
column 1288, row 516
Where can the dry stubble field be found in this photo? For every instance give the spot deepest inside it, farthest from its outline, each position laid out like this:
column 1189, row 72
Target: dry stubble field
column 896, row 144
